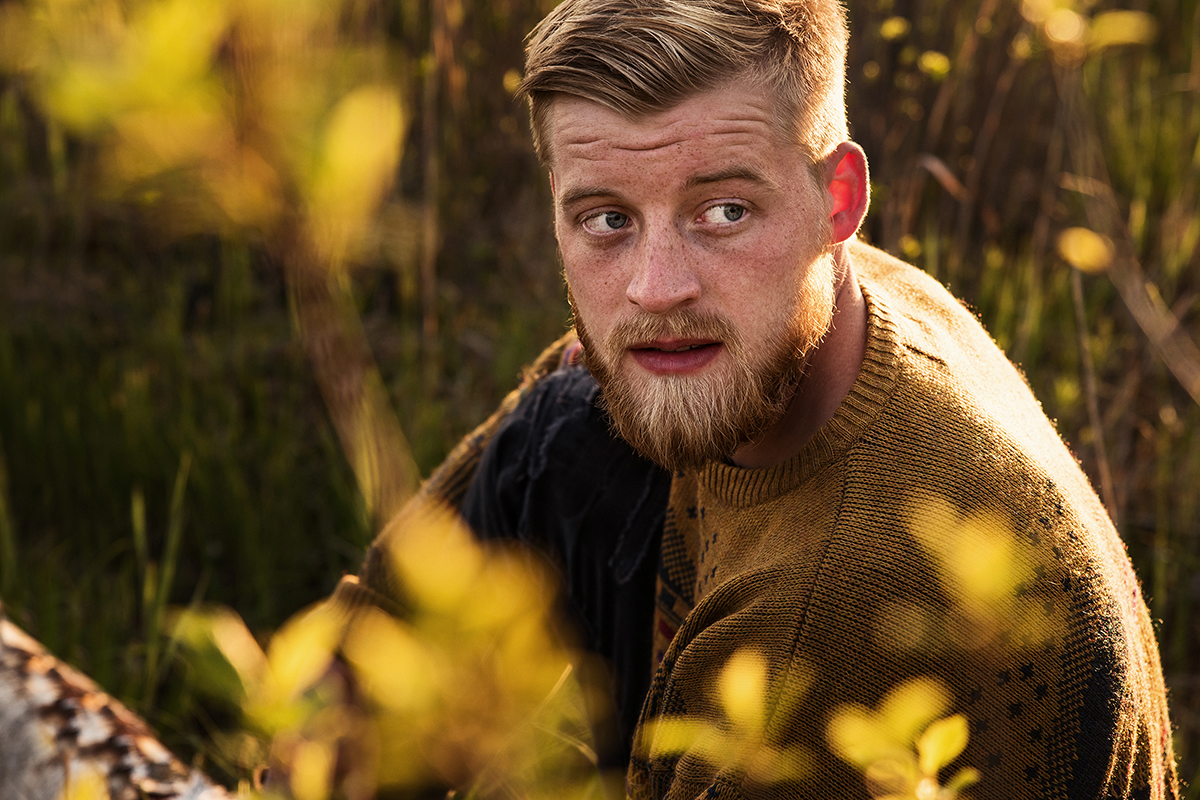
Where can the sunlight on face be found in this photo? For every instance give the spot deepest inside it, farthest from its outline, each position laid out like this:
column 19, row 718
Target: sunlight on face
column 683, row 421
column 696, row 246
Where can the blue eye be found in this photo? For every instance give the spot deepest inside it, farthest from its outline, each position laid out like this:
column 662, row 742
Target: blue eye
column 606, row 222
column 723, row 213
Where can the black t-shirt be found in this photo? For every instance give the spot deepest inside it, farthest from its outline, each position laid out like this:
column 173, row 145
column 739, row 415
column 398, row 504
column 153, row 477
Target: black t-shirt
column 557, row 479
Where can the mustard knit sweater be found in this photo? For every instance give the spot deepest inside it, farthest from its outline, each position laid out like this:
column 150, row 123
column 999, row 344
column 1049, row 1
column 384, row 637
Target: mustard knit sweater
column 937, row 527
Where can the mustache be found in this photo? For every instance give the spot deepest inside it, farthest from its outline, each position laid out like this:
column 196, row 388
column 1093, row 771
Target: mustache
column 683, row 323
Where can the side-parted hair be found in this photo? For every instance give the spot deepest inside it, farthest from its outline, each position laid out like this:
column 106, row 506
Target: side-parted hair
column 637, row 57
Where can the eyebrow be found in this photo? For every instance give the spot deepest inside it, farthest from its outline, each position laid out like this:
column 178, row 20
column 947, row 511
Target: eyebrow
column 583, row 193
column 736, row 173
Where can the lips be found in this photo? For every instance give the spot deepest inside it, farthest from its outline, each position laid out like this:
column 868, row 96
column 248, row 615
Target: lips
column 675, row 356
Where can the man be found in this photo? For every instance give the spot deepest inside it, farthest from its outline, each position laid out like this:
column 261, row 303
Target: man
column 853, row 485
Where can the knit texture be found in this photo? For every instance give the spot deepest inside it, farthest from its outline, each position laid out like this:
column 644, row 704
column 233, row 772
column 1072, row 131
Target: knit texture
column 854, row 566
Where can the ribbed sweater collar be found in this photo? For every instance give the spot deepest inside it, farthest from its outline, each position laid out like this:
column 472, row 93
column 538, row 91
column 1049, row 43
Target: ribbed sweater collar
column 740, row 487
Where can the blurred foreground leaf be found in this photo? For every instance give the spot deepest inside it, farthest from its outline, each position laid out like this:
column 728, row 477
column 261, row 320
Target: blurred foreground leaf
column 901, row 747
column 1085, row 250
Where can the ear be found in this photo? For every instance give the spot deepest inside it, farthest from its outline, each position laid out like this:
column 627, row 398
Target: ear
column 849, row 192
column 551, row 182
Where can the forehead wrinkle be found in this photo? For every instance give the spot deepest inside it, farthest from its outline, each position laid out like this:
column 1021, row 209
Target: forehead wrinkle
column 648, row 136
column 590, row 141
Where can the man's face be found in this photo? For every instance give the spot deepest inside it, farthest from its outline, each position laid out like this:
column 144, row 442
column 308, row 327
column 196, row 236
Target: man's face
column 695, row 243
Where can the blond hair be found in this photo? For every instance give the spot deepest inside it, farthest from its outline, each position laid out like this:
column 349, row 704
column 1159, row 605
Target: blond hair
column 642, row 56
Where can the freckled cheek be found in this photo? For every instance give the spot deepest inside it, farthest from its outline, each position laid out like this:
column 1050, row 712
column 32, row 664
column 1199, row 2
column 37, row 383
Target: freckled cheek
column 771, row 264
column 598, row 292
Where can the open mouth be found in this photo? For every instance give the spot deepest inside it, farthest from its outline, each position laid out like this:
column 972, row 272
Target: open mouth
column 666, row 357
column 675, row 345
column 682, row 349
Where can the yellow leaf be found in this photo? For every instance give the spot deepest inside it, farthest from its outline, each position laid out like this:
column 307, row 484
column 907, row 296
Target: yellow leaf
column 982, row 562
column 857, row 737
column 392, row 664
column 742, row 687
column 934, row 64
column 236, row 643
column 223, row 650
column 941, row 743
column 173, row 43
column 1121, row 27
column 359, row 153
column 894, row 28
column 1085, row 250
column 438, row 560
column 974, row 555
column 668, row 736
column 300, row 652
column 968, row 776
column 891, row 776
column 312, row 771
column 909, row 707
column 510, row 585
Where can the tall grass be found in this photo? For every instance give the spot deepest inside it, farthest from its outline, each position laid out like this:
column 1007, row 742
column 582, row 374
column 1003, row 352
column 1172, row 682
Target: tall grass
column 163, row 440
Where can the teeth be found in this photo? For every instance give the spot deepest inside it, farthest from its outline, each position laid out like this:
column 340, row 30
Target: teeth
column 681, row 349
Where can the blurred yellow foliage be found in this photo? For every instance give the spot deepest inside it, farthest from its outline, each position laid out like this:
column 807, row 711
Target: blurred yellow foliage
column 740, row 744
column 934, row 64
column 742, row 688
column 395, row 667
column 358, row 155
column 471, row 688
column 1112, row 28
column 902, row 746
column 245, row 114
column 1072, row 34
column 270, row 686
column 979, row 568
column 894, row 28
column 861, row 736
column 297, row 655
column 1085, row 250
column 312, row 770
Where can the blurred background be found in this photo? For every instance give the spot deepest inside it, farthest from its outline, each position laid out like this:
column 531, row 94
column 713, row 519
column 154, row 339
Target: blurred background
column 176, row 178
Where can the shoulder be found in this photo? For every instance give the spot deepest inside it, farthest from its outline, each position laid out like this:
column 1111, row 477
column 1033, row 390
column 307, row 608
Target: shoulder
column 556, row 414
column 928, row 317
column 959, row 408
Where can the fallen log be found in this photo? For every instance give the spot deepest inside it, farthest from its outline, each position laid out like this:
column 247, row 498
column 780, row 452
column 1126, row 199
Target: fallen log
column 59, row 730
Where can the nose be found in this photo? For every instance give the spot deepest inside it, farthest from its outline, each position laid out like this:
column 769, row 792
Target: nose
column 664, row 275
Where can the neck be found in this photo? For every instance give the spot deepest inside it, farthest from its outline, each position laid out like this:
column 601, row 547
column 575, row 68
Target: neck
column 832, row 369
